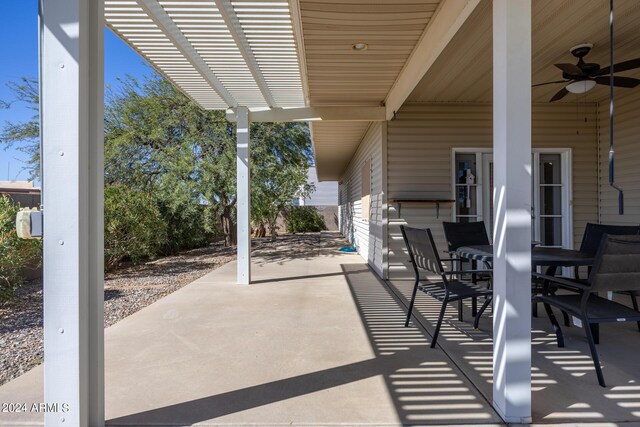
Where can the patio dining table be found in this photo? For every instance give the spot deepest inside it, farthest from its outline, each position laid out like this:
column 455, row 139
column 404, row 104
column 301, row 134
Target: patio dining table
column 552, row 258
column 540, row 256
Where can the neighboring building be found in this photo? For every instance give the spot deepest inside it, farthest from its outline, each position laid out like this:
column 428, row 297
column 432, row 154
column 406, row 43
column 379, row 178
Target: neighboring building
column 325, row 194
column 22, row 192
column 324, row 199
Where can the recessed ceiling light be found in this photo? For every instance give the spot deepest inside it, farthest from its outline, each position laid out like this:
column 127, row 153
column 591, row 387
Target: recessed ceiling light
column 359, row 47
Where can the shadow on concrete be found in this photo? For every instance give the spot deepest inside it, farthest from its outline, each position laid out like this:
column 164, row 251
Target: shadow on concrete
column 564, row 385
column 424, row 388
column 290, row 278
column 297, row 246
column 428, row 389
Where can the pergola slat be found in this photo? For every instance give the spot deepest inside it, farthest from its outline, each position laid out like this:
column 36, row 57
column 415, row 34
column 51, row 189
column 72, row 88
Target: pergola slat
column 220, row 53
column 231, row 19
column 169, row 28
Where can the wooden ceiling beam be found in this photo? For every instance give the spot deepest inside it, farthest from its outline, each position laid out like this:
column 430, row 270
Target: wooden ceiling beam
column 449, row 18
column 336, row 113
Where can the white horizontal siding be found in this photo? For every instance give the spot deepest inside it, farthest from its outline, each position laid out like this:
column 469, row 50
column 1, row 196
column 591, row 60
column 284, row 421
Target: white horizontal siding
column 419, row 146
column 627, row 158
column 366, row 235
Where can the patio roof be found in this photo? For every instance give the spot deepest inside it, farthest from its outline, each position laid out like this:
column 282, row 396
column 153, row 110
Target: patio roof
column 402, row 39
column 219, row 53
column 463, row 72
column 268, row 55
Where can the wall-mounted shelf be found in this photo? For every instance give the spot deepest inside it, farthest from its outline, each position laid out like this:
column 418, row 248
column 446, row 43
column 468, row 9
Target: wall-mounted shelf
column 436, row 202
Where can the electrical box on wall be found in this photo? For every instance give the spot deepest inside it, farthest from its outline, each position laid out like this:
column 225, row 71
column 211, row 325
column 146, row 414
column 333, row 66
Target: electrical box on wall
column 29, row 224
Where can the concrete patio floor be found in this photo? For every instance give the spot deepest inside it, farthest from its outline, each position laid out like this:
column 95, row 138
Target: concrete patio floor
column 318, row 340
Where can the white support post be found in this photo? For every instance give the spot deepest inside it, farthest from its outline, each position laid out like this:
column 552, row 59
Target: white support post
column 512, row 207
column 243, row 198
column 71, row 79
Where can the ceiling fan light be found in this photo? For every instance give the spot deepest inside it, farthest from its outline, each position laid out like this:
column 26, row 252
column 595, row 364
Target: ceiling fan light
column 581, row 86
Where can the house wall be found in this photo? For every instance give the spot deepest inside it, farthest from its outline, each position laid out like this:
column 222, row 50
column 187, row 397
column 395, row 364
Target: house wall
column 627, row 158
column 367, row 235
column 419, row 147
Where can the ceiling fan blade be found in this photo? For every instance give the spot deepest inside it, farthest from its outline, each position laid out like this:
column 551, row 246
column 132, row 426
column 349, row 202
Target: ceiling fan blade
column 620, row 66
column 571, row 69
column 618, row 81
column 559, row 95
column 551, row 83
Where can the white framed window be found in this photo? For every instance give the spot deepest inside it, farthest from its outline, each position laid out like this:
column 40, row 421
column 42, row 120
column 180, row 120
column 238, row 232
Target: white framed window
column 551, row 207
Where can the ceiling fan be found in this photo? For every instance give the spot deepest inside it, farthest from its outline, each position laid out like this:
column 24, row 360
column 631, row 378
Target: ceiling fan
column 583, row 76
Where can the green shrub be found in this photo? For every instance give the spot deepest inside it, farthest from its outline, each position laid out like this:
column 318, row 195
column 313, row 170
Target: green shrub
column 15, row 254
column 303, row 219
column 133, row 226
column 212, row 221
column 185, row 221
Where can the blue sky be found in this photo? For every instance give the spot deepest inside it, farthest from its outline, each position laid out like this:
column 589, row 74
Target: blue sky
column 19, row 50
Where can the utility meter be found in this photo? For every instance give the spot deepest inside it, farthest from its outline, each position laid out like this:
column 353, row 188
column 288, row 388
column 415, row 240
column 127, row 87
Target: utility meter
column 29, row 224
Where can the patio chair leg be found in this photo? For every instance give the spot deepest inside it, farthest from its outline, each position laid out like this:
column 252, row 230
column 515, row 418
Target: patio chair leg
column 534, row 308
column 594, row 352
column 556, row 325
column 634, row 302
column 474, row 306
column 413, row 300
column 437, row 331
column 551, row 271
column 482, row 309
column 567, row 321
column 460, row 306
column 595, row 330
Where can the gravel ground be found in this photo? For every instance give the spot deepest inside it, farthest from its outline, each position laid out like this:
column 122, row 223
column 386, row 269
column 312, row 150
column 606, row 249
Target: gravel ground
column 130, row 289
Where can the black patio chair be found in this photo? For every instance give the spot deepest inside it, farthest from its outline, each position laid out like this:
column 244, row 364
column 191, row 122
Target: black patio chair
column 591, row 241
column 593, row 234
column 459, row 234
column 424, row 257
column 616, row 268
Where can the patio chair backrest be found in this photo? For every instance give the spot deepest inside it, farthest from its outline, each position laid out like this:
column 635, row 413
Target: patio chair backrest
column 460, row 234
column 593, row 235
column 422, row 250
column 617, row 264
